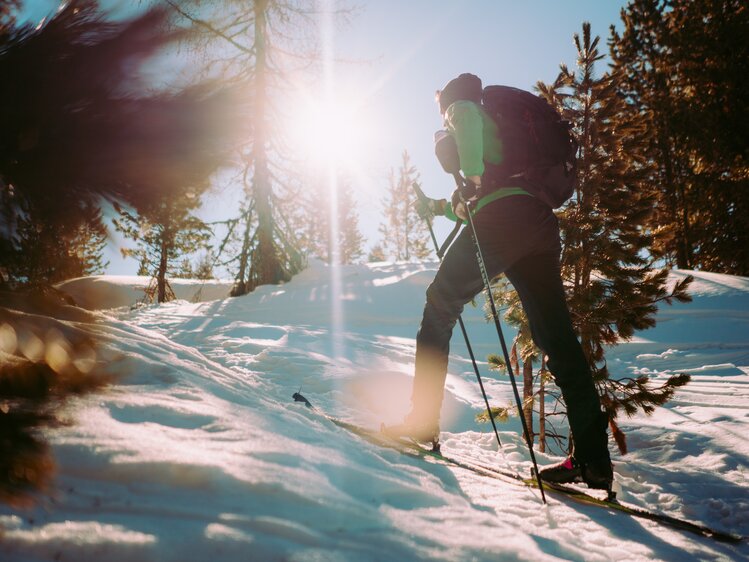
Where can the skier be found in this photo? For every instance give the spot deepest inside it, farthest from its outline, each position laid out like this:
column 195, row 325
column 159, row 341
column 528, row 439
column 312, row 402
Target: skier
column 519, row 236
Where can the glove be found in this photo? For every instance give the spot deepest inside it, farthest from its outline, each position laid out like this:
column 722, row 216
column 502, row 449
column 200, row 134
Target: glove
column 459, row 208
column 427, row 208
column 468, row 192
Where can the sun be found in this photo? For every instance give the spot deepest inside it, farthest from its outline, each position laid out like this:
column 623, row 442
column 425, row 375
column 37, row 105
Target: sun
column 329, row 132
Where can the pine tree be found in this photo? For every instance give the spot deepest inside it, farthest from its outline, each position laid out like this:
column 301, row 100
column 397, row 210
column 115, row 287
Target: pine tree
column 710, row 52
column 204, row 266
column 404, row 233
column 685, row 67
column 44, row 254
column 183, row 271
column 89, row 242
column 313, row 220
column 163, row 233
column 315, row 231
column 254, row 42
column 613, row 286
column 376, row 254
column 40, row 253
column 522, row 349
column 350, row 237
column 266, row 255
column 316, row 226
column 79, row 124
column 646, row 78
column 524, row 352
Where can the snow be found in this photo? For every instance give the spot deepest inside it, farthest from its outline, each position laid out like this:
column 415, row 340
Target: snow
column 198, row 452
column 115, row 291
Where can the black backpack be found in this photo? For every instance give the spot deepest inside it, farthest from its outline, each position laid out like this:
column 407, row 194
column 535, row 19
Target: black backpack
column 540, row 153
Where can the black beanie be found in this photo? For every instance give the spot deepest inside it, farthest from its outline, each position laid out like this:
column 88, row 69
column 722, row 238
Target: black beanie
column 464, row 87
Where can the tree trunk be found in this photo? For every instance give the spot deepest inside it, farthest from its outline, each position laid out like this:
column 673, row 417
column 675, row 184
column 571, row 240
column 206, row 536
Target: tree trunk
column 240, row 288
column 406, row 226
column 265, row 260
column 542, row 408
column 676, row 194
column 676, row 200
column 686, row 242
column 161, row 274
column 528, row 396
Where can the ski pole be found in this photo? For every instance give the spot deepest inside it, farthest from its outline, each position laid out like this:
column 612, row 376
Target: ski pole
column 440, row 253
column 490, row 297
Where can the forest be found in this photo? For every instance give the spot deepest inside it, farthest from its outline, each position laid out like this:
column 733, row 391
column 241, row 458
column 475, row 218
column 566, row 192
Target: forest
column 662, row 131
column 91, row 144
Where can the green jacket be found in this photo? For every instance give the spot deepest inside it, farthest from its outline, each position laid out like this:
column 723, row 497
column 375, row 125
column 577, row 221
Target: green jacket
column 477, row 137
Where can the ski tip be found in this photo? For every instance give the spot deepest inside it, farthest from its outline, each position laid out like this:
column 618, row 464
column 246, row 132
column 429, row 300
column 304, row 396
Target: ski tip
column 297, row 396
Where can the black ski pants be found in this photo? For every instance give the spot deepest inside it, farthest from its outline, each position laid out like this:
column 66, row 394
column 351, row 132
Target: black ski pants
column 519, row 235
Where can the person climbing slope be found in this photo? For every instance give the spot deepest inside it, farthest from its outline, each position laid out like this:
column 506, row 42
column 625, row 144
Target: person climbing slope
column 518, row 234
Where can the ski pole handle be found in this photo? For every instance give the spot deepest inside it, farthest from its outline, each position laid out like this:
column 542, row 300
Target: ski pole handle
column 419, row 193
column 449, row 240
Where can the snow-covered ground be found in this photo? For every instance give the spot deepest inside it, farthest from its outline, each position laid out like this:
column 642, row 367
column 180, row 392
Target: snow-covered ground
column 199, row 453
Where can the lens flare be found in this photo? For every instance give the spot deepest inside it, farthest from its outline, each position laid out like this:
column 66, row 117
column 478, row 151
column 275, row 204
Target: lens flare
column 335, row 137
column 8, row 339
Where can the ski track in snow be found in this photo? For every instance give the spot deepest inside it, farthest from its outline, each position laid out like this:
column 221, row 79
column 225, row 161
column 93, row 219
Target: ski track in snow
column 199, row 452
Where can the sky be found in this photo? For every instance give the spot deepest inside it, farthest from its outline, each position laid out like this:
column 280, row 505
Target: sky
column 387, row 62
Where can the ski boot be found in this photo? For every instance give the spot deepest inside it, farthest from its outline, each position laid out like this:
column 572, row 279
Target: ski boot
column 419, row 432
column 598, row 474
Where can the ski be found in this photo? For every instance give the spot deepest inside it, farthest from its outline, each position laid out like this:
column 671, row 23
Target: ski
column 417, row 450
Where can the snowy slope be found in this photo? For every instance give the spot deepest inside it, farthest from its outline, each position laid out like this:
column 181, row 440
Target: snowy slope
column 115, row 291
column 199, row 453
